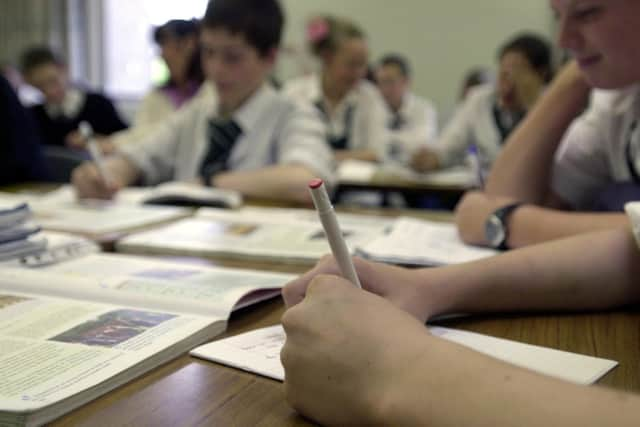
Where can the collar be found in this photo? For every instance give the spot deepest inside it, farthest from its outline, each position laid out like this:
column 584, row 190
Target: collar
column 317, row 94
column 248, row 114
column 70, row 107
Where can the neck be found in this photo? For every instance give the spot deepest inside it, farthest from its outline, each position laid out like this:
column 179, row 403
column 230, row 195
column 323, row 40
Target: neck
column 227, row 109
column 332, row 93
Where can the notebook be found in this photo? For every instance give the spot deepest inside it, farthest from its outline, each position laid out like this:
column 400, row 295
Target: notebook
column 259, row 352
column 74, row 330
column 422, row 243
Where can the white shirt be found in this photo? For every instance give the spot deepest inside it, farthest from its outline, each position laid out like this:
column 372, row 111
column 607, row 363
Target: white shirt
column 419, row 127
column 593, row 153
column 473, row 123
column 274, row 131
column 368, row 127
column 70, row 107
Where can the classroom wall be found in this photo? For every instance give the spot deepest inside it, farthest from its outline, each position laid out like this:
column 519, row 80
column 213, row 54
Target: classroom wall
column 442, row 38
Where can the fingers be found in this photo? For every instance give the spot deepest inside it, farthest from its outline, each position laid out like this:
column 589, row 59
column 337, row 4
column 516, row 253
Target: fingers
column 89, row 184
column 295, row 290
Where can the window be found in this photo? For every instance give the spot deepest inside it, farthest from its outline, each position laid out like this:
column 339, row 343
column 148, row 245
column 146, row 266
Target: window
column 131, row 61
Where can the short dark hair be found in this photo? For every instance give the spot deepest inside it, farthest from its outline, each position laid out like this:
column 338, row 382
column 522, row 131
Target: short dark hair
column 398, row 61
column 37, row 56
column 259, row 21
column 176, row 28
column 535, row 48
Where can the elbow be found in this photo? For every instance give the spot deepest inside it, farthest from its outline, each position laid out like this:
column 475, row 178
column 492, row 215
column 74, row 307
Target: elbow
column 469, row 222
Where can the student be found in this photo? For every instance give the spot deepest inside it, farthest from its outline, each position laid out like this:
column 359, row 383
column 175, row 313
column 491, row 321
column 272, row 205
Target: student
column 351, row 107
column 245, row 137
column 365, row 358
column 491, row 112
column 178, row 43
column 20, row 152
column 475, row 77
column 65, row 106
column 180, row 50
column 554, row 165
column 412, row 121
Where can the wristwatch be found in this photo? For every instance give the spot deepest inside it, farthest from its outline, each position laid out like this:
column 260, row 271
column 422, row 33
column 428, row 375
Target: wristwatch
column 496, row 230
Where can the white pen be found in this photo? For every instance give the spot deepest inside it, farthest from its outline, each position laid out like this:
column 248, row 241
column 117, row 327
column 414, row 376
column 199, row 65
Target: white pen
column 331, row 227
column 87, row 133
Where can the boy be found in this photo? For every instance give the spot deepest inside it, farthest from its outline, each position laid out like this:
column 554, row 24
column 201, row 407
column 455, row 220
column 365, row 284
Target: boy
column 412, row 121
column 245, row 137
column 65, row 106
column 555, row 165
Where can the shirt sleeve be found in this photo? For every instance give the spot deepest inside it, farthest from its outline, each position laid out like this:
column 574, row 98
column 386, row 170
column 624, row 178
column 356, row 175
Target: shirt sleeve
column 420, row 130
column 155, row 154
column 633, row 212
column 302, row 141
column 456, row 136
column 580, row 168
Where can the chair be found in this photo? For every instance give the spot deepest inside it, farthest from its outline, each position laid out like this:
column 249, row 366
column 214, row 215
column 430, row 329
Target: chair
column 62, row 161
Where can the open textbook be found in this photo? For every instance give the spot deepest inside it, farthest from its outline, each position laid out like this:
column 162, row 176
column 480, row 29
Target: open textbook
column 62, row 212
column 418, row 242
column 171, row 193
column 361, row 172
column 288, row 235
column 72, row 331
column 259, row 352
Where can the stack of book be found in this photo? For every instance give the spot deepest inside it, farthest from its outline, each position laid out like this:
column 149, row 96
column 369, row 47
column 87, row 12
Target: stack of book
column 18, row 235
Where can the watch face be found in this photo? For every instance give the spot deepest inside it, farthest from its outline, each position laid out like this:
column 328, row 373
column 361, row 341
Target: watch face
column 494, row 232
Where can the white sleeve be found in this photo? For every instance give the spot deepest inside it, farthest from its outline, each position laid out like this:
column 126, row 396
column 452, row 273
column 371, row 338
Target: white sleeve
column 456, row 136
column 581, row 168
column 370, row 129
column 302, row 141
column 633, row 212
column 155, row 155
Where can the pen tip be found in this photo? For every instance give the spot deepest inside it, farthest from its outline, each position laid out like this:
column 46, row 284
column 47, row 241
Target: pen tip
column 315, row 183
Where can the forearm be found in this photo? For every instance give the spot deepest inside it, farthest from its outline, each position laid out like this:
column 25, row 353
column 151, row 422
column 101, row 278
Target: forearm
column 587, row 272
column 283, row 182
column 523, row 168
column 450, row 377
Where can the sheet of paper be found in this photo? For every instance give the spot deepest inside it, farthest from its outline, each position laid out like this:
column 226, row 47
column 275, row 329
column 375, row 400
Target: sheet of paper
column 419, row 242
column 259, row 352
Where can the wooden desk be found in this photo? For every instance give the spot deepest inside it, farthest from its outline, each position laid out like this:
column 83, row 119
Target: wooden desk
column 191, row 392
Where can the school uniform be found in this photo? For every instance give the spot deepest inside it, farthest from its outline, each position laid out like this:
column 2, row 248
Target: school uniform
column 55, row 122
column 267, row 129
column 358, row 122
column 414, row 125
column 600, row 149
column 478, row 121
column 21, row 158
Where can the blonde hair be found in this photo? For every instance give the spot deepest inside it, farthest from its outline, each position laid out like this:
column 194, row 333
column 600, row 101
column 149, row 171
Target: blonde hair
column 325, row 33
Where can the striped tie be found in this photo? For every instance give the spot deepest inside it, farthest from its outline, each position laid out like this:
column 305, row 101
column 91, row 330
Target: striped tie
column 222, row 136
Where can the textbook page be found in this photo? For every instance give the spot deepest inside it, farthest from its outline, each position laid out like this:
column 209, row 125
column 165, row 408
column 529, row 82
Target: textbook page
column 61, row 211
column 252, row 233
column 57, row 354
column 259, row 352
column 148, row 283
column 419, row 242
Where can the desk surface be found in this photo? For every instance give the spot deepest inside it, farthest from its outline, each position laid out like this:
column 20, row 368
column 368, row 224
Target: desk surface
column 188, row 391
column 191, row 392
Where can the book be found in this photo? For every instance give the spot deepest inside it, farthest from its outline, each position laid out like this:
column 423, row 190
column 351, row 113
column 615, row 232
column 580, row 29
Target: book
column 285, row 235
column 361, row 172
column 74, row 330
column 181, row 194
column 62, row 212
column 422, row 243
column 258, row 352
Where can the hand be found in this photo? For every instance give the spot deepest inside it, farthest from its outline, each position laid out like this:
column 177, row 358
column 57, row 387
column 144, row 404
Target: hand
column 400, row 286
column 472, row 213
column 89, row 184
column 424, row 160
column 75, row 140
column 349, row 355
